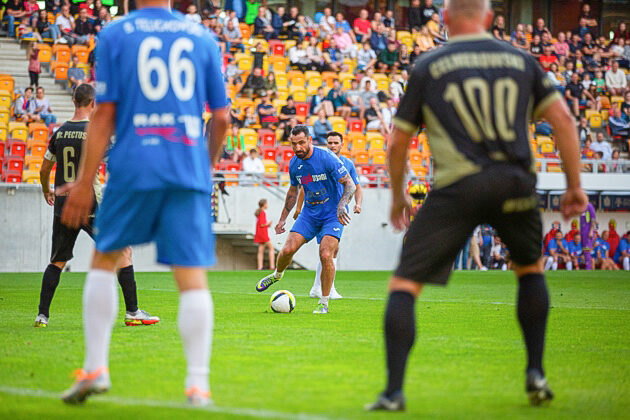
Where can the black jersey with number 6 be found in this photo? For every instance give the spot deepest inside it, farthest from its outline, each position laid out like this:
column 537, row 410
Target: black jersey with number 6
column 65, row 148
column 476, row 97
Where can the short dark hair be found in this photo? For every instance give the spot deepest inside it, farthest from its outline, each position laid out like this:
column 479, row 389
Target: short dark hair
column 83, row 95
column 300, row 129
column 27, row 89
column 334, row 134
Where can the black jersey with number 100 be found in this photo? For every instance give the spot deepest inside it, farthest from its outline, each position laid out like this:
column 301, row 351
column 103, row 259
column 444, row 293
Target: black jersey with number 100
column 65, row 148
column 476, row 97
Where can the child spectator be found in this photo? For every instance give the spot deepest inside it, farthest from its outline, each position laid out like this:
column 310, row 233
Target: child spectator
column 262, row 236
column 34, row 66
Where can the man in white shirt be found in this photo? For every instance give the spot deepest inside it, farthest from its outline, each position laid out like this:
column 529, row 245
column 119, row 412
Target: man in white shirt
column 253, row 164
column 616, row 80
column 601, row 145
column 65, row 21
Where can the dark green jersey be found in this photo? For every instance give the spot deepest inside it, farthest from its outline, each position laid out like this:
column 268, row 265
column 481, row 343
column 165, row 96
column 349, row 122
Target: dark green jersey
column 476, row 97
column 65, row 149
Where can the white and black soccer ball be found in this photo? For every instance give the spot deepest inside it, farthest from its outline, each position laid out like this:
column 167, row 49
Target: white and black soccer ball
column 282, row 301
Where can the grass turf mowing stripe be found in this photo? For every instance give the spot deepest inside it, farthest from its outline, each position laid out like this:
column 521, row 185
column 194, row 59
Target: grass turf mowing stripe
column 239, row 411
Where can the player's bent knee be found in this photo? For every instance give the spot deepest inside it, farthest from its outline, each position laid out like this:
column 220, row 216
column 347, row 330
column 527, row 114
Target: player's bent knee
column 400, row 284
column 107, row 261
column 535, row 268
column 189, row 278
column 59, row 264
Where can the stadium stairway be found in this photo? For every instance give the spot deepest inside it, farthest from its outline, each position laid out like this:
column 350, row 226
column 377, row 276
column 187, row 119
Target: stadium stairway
column 242, row 242
column 13, row 61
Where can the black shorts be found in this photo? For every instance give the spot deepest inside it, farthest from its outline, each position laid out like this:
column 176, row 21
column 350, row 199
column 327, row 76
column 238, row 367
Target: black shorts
column 64, row 238
column 502, row 196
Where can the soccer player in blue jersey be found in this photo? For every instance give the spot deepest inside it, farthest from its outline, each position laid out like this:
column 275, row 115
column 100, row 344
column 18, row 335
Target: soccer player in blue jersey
column 155, row 74
column 575, row 252
column 334, row 142
column 328, row 189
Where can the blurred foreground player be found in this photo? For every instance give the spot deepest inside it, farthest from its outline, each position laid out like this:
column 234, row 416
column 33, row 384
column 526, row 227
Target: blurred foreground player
column 475, row 96
column 155, row 74
column 65, row 149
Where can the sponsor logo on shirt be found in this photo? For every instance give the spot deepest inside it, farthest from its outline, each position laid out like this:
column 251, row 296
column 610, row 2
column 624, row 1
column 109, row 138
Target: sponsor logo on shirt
column 164, row 126
column 307, row 179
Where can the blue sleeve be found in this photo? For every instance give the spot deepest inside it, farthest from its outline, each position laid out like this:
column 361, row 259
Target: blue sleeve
column 353, row 173
column 552, row 244
column 214, row 78
column 107, row 76
column 292, row 177
column 335, row 167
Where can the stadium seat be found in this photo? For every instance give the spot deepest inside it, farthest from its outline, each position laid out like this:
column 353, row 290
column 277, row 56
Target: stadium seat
column 45, row 53
column 4, row 133
column 296, row 78
column 12, row 177
column 595, row 121
column 61, row 71
column 277, row 47
column 1, row 150
column 355, row 125
column 382, row 82
column 5, row 116
column 268, row 153
column 346, row 80
column 278, row 64
column 328, row 77
column 241, row 103
column 81, row 52
column 62, row 53
column 244, row 62
column 378, row 157
column 350, row 63
column 246, row 31
column 6, row 99
column 271, row 167
column 13, row 163
column 360, row 157
column 250, row 137
column 377, row 143
column 590, row 112
column 298, row 93
column 286, row 153
column 616, row 100
column 605, row 114
column 36, row 149
column 7, row 83
column 33, row 162
column 302, row 108
column 414, row 143
column 38, row 131
column 338, row 124
column 352, row 135
column 420, row 170
column 370, row 136
column 415, row 157
column 267, row 138
column 15, row 148
column 19, row 132
column 30, row 177
column 282, row 80
column 346, row 153
column 359, row 144
column 545, row 144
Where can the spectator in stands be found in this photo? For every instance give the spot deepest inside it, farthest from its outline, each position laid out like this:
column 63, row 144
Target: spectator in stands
column 83, row 28
column 602, row 253
column 404, row 58
column 192, row 14
column 498, row 27
column 326, row 23
column 619, row 126
column 616, row 50
column 287, row 112
column 250, row 118
column 588, row 46
column 232, row 36
column 561, row 47
column 586, row 15
column 353, row 96
column 575, row 251
column 319, row 102
column 314, row 56
column 76, row 74
column 298, row 56
column 575, row 94
column 547, row 58
column 625, row 106
column 376, row 19
column 366, row 57
column 427, row 11
column 344, row 43
column 424, row 39
column 234, row 146
column 388, row 20
column 292, row 25
column 599, row 82
column 278, row 21
column 45, row 29
column 267, row 112
column 374, row 117
column 378, row 40
column 233, row 73
column 388, row 59
column 25, row 107
column 582, row 29
column 14, row 10
column 270, row 84
column 568, row 72
column 255, row 84
column 34, row 66
column 584, row 130
column 575, row 45
column 433, row 27
column 338, row 99
column 556, row 77
column 621, row 32
column 321, row 127
column 65, row 22
column 262, row 25
column 361, row 26
column 616, row 81
column 602, row 145
column 104, row 19
column 536, row 48
column 369, row 77
column 333, row 57
column 303, row 28
column 518, row 38
column 341, row 22
column 252, row 164
column 539, row 28
column 594, row 102
column 415, row 53
column 616, row 167
column 498, row 253
column 415, row 15
column 251, row 11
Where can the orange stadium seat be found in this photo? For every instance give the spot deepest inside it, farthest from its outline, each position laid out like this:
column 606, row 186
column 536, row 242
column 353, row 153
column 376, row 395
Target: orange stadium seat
column 33, row 162
column 62, row 53
column 37, row 149
column 359, row 144
column 61, row 71
column 82, row 52
column 7, row 83
column 45, row 53
column 415, row 157
column 38, row 131
column 378, row 157
column 352, row 135
column 278, row 64
column 360, row 157
column 246, row 31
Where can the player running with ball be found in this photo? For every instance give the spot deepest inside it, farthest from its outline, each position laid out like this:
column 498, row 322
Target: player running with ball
column 328, row 189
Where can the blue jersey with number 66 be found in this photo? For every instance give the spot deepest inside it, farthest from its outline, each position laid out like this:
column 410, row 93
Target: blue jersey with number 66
column 160, row 70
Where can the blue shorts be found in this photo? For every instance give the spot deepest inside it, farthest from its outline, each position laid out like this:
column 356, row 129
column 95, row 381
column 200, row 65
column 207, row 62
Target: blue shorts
column 178, row 221
column 311, row 226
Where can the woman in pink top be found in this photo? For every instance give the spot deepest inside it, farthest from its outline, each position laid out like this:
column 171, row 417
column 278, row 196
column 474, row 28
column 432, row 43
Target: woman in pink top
column 34, row 66
column 561, row 47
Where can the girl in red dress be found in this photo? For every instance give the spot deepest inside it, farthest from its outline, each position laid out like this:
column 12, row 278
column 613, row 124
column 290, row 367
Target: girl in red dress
column 262, row 236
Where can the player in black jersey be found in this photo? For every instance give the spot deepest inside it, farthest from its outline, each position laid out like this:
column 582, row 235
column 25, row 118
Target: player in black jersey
column 65, row 149
column 476, row 97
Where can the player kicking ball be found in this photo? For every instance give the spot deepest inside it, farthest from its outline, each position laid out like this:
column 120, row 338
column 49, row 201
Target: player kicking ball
column 476, row 97
column 156, row 73
column 334, row 144
column 328, row 189
column 65, row 149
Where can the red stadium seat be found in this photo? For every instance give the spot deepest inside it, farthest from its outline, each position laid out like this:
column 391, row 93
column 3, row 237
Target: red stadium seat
column 13, row 163
column 12, row 177
column 413, row 144
column 268, row 153
column 267, row 138
column 277, row 47
column 1, row 150
column 16, row 147
column 232, row 167
column 286, row 153
column 301, row 109
column 355, row 124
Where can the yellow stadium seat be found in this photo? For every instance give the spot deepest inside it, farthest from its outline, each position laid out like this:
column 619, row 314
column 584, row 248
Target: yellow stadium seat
column 311, row 120
column 18, row 132
column 278, row 104
column 546, row 147
column 5, row 116
column 616, row 100
column 298, row 93
column 382, row 82
column 6, row 98
column 31, row 176
column 271, row 167
column 3, row 133
column 33, row 162
column 589, row 112
column 7, row 83
column 250, row 136
column 346, row 80
column 371, row 135
column 350, row 63
column 278, row 64
column 378, row 157
column 282, row 94
column 282, row 80
column 296, row 78
column 605, row 114
column 338, row 124
column 358, row 144
column 595, row 121
column 377, row 143
column 289, row 44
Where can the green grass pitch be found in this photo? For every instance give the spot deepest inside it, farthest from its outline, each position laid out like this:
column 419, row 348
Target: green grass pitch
column 467, row 361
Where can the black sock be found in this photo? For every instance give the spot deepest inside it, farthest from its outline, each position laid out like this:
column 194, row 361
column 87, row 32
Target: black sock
column 50, row 281
column 532, row 309
column 128, row 285
column 400, row 333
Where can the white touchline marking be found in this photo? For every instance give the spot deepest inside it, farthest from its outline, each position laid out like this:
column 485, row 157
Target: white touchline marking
column 238, row 411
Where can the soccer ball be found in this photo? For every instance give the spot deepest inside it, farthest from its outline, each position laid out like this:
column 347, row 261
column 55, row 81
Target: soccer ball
column 282, row 301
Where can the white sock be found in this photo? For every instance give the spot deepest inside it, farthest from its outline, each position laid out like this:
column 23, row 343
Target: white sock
column 554, row 266
column 195, row 322
column 626, row 263
column 100, row 306
column 324, row 300
column 548, row 263
column 278, row 274
column 570, row 266
column 317, row 284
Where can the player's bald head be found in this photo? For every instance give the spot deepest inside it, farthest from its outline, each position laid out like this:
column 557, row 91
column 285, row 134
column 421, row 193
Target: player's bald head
column 467, row 8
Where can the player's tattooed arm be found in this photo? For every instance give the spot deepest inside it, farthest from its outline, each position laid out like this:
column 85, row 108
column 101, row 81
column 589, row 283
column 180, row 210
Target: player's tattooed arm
column 348, row 190
column 289, row 203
